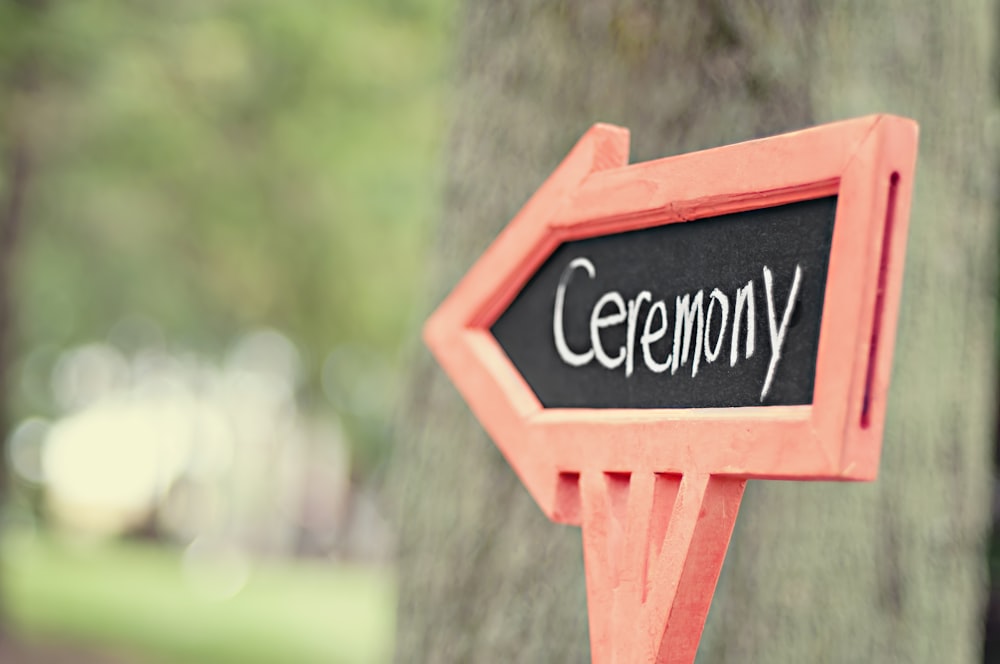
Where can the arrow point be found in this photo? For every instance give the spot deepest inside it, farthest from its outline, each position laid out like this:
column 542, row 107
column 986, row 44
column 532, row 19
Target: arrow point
column 609, row 143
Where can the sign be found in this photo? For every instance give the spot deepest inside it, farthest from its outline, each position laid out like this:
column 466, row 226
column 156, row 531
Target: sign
column 642, row 339
column 724, row 312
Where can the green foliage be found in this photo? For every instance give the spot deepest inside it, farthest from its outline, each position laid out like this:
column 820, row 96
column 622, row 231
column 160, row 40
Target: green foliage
column 215, row 165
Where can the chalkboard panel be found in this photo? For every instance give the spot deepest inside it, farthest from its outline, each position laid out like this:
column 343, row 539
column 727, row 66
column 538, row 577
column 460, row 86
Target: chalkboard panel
column 716, row 312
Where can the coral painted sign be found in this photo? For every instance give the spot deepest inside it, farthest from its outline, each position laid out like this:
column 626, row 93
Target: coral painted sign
column 642, row 339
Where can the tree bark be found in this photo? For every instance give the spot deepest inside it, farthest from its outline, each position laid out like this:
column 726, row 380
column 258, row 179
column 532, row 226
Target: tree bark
column 887, row 572
column 18, row 90
column 11, row 218
column 20, row 82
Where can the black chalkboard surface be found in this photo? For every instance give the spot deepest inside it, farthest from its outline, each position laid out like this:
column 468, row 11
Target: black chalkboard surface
column 717, row 312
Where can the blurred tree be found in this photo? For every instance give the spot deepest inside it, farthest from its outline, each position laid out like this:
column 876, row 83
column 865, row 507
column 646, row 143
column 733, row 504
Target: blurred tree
column 886, row 572
column 208, row 167
column 21, row 71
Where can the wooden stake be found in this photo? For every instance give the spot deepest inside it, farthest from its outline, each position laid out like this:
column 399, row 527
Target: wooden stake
column 654, row 544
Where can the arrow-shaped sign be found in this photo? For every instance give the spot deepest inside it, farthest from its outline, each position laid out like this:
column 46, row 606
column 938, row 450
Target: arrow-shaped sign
column 642, row 339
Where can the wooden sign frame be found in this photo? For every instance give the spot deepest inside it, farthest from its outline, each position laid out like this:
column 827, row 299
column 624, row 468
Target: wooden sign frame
column 673, row 469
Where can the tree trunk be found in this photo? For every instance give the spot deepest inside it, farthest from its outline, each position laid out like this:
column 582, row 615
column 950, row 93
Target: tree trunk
column 19, row 83
column 887, row 572
column 11, row 218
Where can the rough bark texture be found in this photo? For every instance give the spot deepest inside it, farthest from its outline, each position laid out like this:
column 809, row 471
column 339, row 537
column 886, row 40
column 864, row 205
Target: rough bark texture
column 19, row 80
column 11, row 219
column 888, row 572
column 18, row 84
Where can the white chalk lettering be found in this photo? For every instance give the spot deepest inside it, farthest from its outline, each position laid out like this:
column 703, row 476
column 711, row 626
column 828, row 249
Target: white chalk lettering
column 744, row 299
column 650, row 337
column 565, row 353
column 712, row 354
column 599, row 322
column 702, row 325
column 633, row 314
column 684, row 318
column 778, row 332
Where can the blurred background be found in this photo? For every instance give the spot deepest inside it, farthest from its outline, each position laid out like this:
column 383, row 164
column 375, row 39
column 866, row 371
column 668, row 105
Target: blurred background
column 213, row 235
column 215, row 238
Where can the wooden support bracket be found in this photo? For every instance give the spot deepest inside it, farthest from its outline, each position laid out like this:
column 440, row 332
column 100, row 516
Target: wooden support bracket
column 654, row 544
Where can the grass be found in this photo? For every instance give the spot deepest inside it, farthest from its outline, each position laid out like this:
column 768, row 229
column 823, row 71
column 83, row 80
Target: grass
column 136, row 598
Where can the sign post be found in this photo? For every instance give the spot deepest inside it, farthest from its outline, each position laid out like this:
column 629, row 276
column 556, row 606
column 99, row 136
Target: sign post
column 643, row 339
